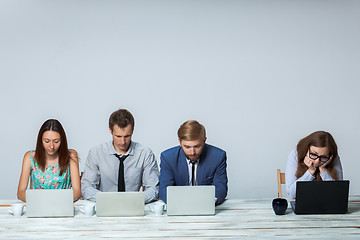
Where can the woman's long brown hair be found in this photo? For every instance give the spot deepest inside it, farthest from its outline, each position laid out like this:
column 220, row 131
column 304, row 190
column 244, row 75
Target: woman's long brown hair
column 317, row 139
column 64, row 156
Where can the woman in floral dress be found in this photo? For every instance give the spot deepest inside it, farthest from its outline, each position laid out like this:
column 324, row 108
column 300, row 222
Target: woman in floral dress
column 52, row 165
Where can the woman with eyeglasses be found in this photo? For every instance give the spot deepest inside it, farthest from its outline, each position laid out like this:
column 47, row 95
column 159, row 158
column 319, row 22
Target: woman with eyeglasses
column 314, row 159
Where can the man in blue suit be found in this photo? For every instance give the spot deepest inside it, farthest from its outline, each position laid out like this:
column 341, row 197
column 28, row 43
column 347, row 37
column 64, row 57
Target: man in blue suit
column 193, row 162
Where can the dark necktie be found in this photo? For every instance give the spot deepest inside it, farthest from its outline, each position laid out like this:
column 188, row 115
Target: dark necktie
column 121, row 179
column 193, row 173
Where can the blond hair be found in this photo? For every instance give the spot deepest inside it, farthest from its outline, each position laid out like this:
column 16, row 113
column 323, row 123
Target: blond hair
column 191, row 130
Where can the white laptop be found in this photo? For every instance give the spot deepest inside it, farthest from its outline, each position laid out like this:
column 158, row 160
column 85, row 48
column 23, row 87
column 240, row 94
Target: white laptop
column 49, row 203
column 120, row 204
column 190, row 200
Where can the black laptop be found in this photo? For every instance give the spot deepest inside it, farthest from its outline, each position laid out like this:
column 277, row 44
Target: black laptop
column 319, row 197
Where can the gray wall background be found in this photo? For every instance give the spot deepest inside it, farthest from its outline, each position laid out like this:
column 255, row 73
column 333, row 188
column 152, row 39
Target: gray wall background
column 260, row 75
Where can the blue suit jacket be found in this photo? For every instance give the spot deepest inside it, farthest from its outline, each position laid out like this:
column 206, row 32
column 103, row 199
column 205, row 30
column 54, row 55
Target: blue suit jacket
column 211, row 170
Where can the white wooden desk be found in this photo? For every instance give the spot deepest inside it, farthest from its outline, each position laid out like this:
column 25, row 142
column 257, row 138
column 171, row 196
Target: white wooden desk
column 235, row 219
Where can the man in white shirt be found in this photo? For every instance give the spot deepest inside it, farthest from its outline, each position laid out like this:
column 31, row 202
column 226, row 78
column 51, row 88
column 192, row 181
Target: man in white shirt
column 121, row 164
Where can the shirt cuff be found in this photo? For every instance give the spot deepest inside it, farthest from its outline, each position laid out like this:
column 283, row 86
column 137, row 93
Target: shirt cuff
column 326, row 176
column 307, row 177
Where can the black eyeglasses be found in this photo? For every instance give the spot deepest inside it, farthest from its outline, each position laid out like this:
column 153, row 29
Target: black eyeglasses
column 314, row 156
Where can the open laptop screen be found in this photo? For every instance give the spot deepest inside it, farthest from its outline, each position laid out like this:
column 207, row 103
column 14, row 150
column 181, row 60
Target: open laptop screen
column 120, row 204
column 316, row 197
column 190, row 200
column 49, row 203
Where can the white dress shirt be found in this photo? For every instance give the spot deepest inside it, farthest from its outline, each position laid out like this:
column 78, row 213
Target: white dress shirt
column 102, row 170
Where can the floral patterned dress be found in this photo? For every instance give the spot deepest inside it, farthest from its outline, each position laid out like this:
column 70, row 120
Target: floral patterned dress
column 49, row 179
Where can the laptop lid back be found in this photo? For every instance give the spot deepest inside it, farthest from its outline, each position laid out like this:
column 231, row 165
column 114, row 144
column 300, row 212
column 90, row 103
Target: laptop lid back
column 317, row 197
column 120, row 204
column 190, row 200
column 49, row 203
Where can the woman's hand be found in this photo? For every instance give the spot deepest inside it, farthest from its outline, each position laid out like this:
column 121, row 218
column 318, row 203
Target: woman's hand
column 24, row 177
column 74, row 173
column 309, row 163
column 322, row 167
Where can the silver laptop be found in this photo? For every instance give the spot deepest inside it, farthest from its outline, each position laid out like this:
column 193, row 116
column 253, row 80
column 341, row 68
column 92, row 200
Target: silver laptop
column 120, row 204
column 49, row 203
column 190, row 200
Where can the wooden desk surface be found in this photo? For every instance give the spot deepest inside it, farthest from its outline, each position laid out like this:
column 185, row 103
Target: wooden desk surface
column 235, row 219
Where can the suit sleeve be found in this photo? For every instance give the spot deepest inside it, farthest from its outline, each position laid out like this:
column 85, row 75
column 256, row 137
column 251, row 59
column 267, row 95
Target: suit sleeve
column 220, row 180
column 166, row 176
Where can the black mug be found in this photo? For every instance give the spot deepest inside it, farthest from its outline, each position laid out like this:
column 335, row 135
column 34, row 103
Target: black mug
column 279, row 205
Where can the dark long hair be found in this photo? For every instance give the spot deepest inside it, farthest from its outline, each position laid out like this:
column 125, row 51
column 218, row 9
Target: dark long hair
column 64, row 156
column 317, row 139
